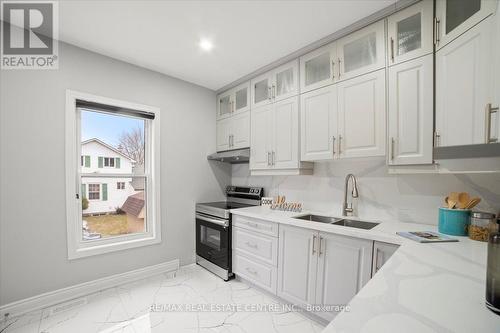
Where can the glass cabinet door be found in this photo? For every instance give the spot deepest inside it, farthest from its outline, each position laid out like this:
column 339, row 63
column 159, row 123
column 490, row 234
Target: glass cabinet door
column 410, row 33
column 241, row 98
column 318, row 68
column 285, row 84
column 362, row 51
column 261, row 90
column 454, row 17
column 224, row 106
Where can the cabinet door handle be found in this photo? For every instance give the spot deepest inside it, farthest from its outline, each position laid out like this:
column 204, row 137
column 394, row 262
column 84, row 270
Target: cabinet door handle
column 340, row 144
column 333, row 146
column 314, row 245
column 252, row 245
column 251, row 271
column 377, row 262
column 274, row 92
column 340, row 67
column 436, row 31
column 273, row 159
column 437, row 139
column 333, row 70
column 268, row 158
column 269, row 93
column 489, row 111
column 392, row 149
column 392, row 49
column 320, row 246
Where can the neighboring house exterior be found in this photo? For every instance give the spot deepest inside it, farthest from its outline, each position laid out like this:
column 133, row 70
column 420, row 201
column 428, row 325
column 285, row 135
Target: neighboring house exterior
column 105, row 194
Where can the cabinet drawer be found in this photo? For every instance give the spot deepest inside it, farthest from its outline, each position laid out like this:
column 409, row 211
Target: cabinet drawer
column 261, row 226
column 262, row 275
column 255, row 245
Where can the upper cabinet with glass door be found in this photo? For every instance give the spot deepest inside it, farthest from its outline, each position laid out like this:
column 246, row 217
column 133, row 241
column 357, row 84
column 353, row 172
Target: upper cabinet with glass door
column 317, row 68
column 275, row 85
column 454, row 17
column 233, row 101
column 410, row 33
column 361, row 52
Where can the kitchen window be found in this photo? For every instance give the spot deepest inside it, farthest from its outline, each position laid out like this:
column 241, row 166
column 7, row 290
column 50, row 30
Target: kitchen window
column 103, row 218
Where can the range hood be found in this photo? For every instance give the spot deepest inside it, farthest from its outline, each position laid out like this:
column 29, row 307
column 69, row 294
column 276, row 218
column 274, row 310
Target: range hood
column 231, row 156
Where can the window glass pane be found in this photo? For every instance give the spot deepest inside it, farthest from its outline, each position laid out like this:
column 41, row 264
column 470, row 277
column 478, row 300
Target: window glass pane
column 360, row 53
column 458, row 11
column 318, row 68
column 261, row 91
column 241, row 98
column 284, row 82
column 107, row 138
column 114, row 207
column 409, row 34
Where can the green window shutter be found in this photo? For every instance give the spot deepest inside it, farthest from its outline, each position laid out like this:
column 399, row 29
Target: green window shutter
column 84, row 191
column 87, row 161
column 117, row 162
column 104, row 192
column 99, row 162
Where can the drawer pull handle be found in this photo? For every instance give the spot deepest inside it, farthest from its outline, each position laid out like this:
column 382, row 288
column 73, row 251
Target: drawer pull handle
column 252, row 245
column 251, row 271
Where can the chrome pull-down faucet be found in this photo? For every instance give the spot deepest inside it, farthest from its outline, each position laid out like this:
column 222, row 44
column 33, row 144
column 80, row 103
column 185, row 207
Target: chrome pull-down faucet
column 347, row 208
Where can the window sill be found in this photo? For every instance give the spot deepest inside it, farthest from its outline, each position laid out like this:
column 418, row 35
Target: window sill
column 128, row 243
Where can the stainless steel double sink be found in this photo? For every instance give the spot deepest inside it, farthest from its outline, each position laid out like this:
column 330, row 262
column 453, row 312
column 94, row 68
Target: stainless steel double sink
column 338, row 221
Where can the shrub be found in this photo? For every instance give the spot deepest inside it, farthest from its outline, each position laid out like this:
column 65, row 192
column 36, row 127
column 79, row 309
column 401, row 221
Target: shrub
column 85, row 203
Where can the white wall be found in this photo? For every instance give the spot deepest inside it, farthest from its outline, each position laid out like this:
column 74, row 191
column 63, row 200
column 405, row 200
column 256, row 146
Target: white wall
column 33, row 252
column 407, row 198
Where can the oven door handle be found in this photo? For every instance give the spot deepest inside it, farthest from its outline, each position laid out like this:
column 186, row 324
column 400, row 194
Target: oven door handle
column 223, row 223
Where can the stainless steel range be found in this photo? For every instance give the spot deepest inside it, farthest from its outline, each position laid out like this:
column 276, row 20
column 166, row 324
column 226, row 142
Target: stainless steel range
column 213, row 228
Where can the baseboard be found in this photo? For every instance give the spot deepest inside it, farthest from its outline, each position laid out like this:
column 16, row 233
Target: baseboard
column 65, row 294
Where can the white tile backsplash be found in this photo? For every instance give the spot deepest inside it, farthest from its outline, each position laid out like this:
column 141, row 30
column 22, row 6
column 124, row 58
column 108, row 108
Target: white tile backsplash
column 406, row 198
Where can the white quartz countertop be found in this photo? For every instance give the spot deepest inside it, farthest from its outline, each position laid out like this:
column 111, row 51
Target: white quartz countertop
column 421, row 288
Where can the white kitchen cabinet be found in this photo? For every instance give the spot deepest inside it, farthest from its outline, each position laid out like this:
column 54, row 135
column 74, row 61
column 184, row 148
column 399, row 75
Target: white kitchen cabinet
column 261, row 137
column 223, row 137
column 344, row 267
column 381, row 253
column 318, row 124
column 410, row 33
column 318, row 68
column 463, row 85
column 411, row 112
column 361, row 52
column 233, row 101
column 275, row 85
column 275, row 137
column 454, row 17
column 361, row 116
column 233, row 132
column 297, row 264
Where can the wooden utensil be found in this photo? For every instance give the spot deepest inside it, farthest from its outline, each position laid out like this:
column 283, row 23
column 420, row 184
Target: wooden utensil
column 472, row 203
column 450, row 203
column 453, row 196
column 463, row 200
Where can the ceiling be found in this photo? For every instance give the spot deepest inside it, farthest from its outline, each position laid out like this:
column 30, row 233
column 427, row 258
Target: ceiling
column 163, row 35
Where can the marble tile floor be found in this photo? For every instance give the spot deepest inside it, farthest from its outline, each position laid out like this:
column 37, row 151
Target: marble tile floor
column 194, row 300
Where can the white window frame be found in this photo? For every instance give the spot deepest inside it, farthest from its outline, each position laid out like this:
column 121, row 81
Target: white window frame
column 109, row 160
column 118, row 187
column 88, row 191
column 77, row 247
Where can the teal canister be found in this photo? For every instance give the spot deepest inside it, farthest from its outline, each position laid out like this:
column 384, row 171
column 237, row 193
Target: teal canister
column 453, row 221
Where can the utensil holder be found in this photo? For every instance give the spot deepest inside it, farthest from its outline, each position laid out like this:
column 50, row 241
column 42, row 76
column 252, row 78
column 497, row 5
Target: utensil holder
column 453, row 221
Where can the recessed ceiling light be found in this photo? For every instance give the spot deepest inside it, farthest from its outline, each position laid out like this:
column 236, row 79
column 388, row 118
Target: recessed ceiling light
column 206, row 44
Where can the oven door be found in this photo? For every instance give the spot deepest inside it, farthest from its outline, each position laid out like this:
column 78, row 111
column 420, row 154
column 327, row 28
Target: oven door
column 213, row 241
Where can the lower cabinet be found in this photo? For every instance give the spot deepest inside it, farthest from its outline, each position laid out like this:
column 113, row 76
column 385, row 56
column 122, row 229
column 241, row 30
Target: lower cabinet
column 381, row 253
column 321, row 268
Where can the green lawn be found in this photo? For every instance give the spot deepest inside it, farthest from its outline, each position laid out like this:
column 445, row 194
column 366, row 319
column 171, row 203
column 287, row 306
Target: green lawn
column 107, row 225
